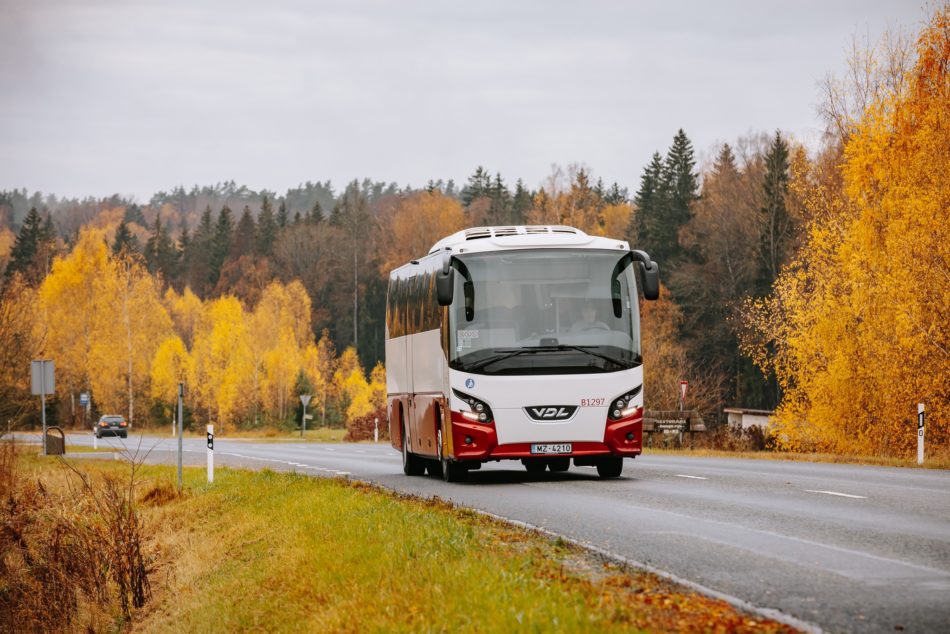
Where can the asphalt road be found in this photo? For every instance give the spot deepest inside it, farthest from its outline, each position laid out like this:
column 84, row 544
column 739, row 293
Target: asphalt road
column 843, row 548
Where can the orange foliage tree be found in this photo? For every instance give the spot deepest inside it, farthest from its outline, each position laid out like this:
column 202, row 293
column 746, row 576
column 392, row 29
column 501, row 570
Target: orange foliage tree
column 860, row 323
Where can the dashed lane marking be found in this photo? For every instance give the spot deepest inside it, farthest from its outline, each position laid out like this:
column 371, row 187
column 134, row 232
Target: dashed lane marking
column 680, row 475
column 841, row 495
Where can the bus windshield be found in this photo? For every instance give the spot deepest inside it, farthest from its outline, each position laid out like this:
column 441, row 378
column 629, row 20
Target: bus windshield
column 544, row 311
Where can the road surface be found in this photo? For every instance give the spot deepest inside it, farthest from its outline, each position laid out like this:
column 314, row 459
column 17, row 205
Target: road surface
column 843, row 548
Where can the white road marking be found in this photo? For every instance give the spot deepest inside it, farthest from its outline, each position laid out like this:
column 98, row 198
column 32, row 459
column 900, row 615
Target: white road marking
column 680, row 475
column 843, row 495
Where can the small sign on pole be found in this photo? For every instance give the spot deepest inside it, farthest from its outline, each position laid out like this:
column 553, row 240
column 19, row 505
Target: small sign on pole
column 304, row 400
column 83, row 399
column 920, row 433
column 684, row 386
column 210, row 454
column 42, row 382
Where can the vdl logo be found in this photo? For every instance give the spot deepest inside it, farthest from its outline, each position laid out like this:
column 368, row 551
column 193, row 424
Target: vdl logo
column 551, row 412
column 469, row 383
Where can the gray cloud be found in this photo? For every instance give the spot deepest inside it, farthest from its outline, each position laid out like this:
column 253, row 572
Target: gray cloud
column 115, row 96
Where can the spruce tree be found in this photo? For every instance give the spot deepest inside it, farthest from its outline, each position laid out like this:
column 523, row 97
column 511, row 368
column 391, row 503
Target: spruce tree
column 244, row 235
column 499, row 202
column 220, row 244
column 27, row 248
column 133, row 213
column 199, row 255
column 282, row 215
column 125, row 241
column 681, row 184
column 266, row 229
column 478, row 186
column 650, row 203
column 160, row 254
column 776, row 222
column 520, row 203
column 315, row 215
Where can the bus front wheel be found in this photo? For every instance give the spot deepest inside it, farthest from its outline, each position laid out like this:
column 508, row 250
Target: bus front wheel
column 452, row 471
column 412, row 465
column 610, row 467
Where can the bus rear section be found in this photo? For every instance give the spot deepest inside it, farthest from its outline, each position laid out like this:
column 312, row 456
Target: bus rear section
column 517, row 343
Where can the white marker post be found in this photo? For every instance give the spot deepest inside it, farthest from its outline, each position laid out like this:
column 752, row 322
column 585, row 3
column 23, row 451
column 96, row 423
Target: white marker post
column 181, row 399
column 210, row 454
column 376, row 429
column 304, row 400
column 920, row 433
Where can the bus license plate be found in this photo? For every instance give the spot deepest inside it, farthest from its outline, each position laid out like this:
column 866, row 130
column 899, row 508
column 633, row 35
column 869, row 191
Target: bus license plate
column 551, row 449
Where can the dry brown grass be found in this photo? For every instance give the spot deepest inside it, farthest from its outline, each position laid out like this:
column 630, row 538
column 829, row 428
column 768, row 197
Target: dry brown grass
column 71, row 548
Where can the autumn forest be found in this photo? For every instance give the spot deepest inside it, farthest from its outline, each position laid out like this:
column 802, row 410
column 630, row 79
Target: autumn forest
column 812, row 280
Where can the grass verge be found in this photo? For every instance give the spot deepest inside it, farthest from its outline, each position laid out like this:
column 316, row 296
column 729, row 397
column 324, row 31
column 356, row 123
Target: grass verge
column 282, row 552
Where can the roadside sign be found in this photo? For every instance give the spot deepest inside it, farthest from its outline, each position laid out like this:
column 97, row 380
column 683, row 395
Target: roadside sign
column 305, row 399
column 684, row 385
column 84, row 398
column 42, row 379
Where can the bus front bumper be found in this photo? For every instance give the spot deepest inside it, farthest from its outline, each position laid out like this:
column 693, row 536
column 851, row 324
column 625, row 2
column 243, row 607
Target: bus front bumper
column 478, row 441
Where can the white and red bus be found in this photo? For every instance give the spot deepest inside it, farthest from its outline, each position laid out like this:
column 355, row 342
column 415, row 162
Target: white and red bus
column 517, row 343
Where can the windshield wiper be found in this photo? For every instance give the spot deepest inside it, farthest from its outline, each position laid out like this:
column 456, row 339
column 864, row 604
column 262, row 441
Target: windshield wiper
column 586, row 350
column 503, row 354
column 500, row 355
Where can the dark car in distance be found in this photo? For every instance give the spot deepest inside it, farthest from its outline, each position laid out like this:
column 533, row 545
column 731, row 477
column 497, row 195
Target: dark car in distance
column 112, row 424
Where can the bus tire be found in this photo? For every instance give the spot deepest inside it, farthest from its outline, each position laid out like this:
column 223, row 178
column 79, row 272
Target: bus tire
column 534, row 465
column 558, row 465
column 452, row 471
column 412, row 465
column 610, row 467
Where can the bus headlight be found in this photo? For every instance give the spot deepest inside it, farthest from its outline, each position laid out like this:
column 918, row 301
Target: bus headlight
column 623, row 405
column 478, row 412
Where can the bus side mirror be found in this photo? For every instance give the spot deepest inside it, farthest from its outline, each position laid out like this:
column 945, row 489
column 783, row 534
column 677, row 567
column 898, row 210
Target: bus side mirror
column 445, row 286
column 650, row 277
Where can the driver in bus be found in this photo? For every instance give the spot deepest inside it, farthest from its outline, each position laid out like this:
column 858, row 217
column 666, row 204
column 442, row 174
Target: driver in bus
column 588, row 319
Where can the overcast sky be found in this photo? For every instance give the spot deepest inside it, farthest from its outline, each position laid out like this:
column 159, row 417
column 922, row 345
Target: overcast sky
column 117, row 96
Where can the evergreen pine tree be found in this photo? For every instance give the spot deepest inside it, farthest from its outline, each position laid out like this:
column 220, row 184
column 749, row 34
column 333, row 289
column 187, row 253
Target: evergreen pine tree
column 266, row 229
column 315, row 215
column 776, row 222
column 125, row 241
column 650, row 203
column 478, row 186
column 681, row 184
column 220, row 244
column 520, row 203
column 28, row 248
column 297, row 218
column 199, row 255
column 282, row 215
column 133, row 213
column 160, row 254
column 244, row 235
column 499, row 197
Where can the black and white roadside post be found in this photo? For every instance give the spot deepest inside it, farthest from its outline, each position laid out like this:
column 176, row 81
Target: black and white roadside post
column 304, row 400
column 920, row 433
column 210, row 454
column 181, row 399
column 42, row 382
column 376, row 429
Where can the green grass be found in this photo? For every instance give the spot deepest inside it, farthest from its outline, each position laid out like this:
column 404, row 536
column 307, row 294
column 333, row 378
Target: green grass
column 286, row 553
